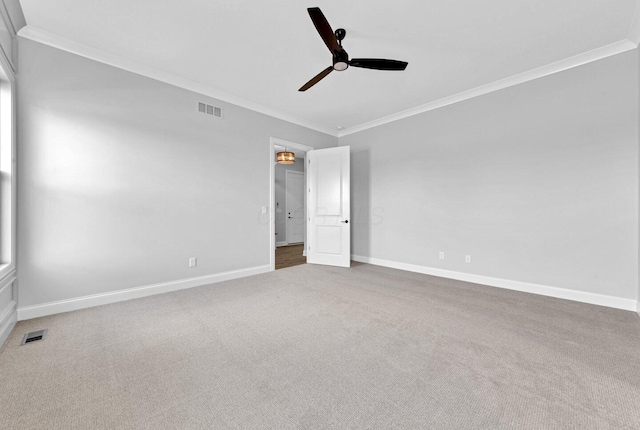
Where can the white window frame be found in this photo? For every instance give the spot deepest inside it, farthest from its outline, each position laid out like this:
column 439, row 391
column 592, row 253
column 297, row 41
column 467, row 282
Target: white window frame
column 7, row 167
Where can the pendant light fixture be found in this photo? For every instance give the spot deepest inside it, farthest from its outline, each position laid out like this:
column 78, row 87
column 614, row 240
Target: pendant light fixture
column 285, row 157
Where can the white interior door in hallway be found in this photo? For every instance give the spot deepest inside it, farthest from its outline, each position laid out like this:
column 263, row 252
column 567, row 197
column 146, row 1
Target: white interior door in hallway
column 295, row 207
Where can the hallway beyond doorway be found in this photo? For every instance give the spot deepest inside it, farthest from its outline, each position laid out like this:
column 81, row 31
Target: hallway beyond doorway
column 288, row 256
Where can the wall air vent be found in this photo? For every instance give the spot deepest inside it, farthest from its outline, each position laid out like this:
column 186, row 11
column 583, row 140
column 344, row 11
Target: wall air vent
column 210, row 110
column 34, row 336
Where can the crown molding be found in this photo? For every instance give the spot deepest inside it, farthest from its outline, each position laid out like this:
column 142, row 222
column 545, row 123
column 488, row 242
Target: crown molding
column 634, row 30
column 550, row 69
column 7, row 20
column 44, row 37
column 8, row 57
column 13, row 15
column 64, row 44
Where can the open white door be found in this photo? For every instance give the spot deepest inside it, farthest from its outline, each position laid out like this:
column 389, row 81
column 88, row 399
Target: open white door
column 328, row 207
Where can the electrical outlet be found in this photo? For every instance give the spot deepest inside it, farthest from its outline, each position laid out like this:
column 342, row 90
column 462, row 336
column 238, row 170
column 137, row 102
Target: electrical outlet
column 441, row 255
column 264, row 209
column 193, row 262
column 467, row 259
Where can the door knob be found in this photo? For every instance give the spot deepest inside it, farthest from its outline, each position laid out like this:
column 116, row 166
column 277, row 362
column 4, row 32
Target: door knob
column 345, row 222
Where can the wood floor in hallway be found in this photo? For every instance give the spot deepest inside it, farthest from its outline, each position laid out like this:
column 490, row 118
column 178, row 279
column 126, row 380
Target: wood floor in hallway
column 288, row 256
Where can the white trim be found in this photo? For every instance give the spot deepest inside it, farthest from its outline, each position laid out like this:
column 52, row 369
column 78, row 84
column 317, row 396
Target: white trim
column 41, row 36
column 285, row 243
column 7, row 322
column 8, row 315
column 7, row 282
column 6, row 60
column 634, row 30
column 288, row 144
column 8, row 109
column 15, row 14
column 543, row 290
column 6, row 270
column 568, row 63
column 7, row 20
column 51, row 308
column 273, row 141
column 638, row 307
column 11, row 30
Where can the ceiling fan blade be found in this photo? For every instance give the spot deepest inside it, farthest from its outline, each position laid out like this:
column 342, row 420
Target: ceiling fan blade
column 316, row 79
column 323, row 27
column 378, row 64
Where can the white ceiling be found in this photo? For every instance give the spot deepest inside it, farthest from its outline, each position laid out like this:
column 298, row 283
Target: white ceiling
column 261, row 52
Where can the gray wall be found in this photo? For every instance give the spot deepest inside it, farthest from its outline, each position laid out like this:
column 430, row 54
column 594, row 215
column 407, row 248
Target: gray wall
column 280, row 192
column 121, row 180
column 537, row 182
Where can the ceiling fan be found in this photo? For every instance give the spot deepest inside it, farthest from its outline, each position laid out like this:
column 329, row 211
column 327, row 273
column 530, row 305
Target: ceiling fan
column 341, row 61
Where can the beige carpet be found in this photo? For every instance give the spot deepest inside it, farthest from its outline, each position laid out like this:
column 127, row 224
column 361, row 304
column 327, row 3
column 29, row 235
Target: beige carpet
column 313, row 347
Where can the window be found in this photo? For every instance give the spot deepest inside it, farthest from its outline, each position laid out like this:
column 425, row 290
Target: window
column 7, row 170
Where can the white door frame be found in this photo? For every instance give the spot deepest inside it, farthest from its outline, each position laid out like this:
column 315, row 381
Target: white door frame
column 273, row 141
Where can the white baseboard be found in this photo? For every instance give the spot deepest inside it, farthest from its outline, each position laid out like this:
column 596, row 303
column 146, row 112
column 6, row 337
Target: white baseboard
column 544, row 290
column 28, row 312
column 638, row 307
column 8, row 321
column 285, row 243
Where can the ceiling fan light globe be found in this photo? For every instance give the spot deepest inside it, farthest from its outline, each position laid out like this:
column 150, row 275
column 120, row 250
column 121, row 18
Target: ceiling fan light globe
column 340, row 66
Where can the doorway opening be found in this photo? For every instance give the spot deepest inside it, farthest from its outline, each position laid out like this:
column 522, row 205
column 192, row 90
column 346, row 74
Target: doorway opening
column 288, row 206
